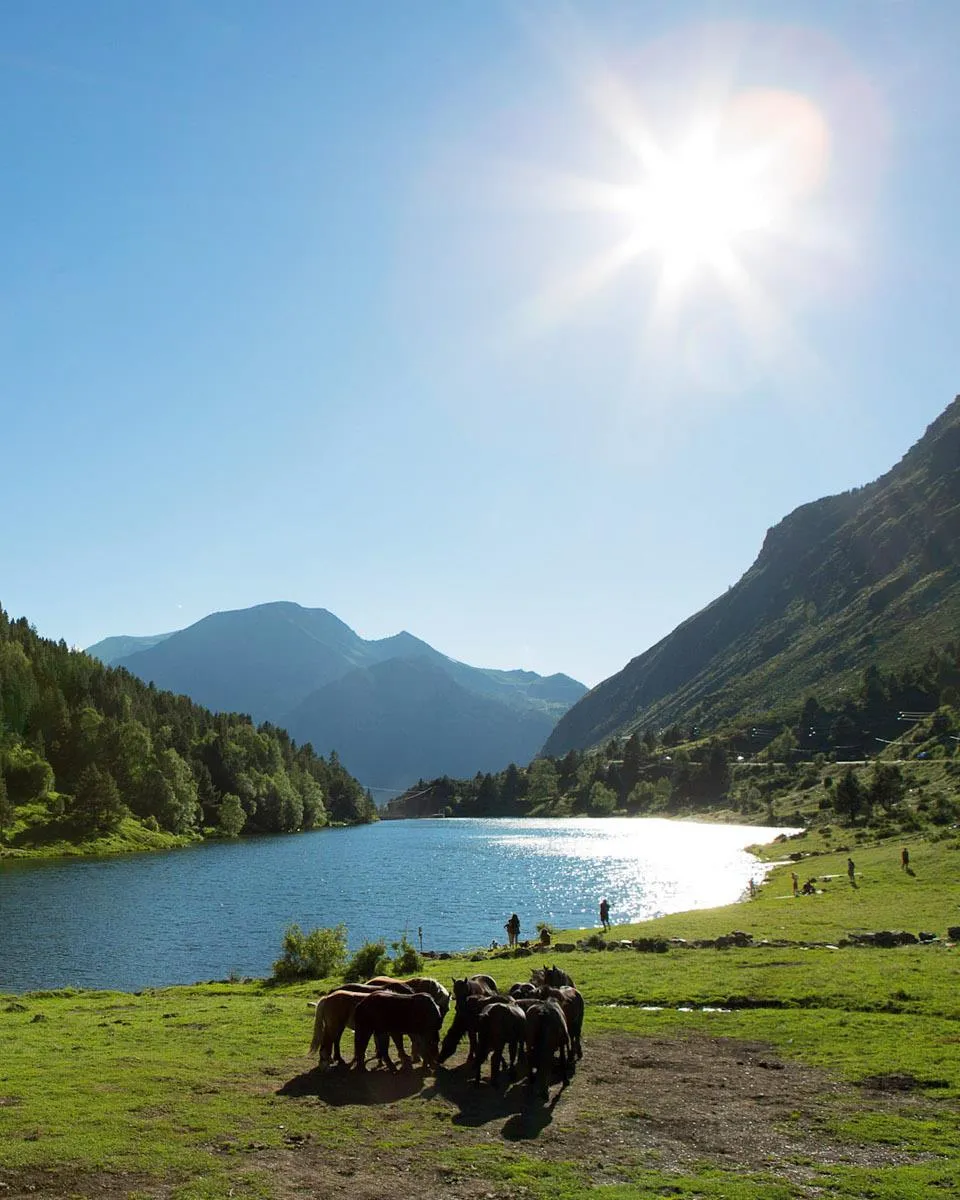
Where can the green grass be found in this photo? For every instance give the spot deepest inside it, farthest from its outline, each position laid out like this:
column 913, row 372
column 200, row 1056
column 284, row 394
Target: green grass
column 33, row 835
column 186, row 1089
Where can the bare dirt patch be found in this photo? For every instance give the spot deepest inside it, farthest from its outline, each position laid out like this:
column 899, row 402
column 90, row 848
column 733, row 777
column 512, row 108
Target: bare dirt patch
column 653, row 1103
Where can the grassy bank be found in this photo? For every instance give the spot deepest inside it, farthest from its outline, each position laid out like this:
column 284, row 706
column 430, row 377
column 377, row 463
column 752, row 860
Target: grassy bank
column 764, row 1071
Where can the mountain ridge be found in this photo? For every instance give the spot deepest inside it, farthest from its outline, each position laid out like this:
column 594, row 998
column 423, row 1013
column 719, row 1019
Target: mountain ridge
column 873, row 573
column 277, row 662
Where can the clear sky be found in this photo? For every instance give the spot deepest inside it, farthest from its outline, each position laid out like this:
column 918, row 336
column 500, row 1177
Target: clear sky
column 513, row 325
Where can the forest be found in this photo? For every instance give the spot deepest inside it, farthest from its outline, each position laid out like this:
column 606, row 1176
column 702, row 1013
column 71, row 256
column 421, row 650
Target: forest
column 682, row 768
column 84, row 748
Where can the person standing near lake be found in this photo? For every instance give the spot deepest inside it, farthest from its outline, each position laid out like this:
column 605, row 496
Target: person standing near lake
column 851, row 870
column 604, row 915
column 795, row 878
column 904, row 859
column 513, row 930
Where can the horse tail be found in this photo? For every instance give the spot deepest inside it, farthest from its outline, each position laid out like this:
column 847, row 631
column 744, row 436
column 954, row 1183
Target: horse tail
column 319, row 1023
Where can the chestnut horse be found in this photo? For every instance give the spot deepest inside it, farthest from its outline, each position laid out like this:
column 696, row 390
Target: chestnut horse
column 420, row 983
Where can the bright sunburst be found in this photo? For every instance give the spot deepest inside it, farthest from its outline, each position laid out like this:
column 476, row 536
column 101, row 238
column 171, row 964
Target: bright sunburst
column 730, row 187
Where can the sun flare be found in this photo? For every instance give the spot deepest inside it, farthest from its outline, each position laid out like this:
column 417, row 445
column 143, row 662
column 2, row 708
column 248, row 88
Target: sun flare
column 738, row 173
column 713, row 202
column 696, row 205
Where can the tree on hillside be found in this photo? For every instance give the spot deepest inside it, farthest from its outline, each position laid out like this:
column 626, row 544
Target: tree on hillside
column 849, row 796
column 715, row 772
column 633, row 756
column 96, row 806
column 603, row 800
column 542, row 782
column 231, row 818
column 887, row 786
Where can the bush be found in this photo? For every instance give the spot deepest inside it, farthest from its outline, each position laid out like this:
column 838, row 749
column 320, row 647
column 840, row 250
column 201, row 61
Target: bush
column 313, row 955
column 406, row 960
column 371, row 959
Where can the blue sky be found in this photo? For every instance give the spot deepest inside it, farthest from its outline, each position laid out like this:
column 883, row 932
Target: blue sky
column 315, row 302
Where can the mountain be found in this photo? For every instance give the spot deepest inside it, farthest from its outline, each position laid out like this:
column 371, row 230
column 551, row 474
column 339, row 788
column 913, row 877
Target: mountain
column 112, row 649
column 403, row 713
column 871, row 576
column 307, row 671
column 90, row 752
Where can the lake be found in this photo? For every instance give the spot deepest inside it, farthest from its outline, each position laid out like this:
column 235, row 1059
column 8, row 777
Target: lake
column 219, row 909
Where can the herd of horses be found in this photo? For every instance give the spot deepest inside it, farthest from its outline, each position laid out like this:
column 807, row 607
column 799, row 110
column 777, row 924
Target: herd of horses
column 536, row 1024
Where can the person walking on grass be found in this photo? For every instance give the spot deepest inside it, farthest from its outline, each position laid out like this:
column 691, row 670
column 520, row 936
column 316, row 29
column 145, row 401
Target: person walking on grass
column 851, row 870
column 904, row 859
column 604, row 915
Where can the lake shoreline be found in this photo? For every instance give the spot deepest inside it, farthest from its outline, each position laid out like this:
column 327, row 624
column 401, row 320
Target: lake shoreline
column 221, row 910
column 147, row 842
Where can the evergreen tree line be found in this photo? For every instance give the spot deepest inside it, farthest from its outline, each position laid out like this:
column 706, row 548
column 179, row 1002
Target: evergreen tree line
column 664, row 770
column 92, row 745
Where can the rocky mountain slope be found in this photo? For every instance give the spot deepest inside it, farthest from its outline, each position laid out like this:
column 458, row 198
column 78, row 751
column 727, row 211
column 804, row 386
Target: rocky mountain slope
column 869, row 576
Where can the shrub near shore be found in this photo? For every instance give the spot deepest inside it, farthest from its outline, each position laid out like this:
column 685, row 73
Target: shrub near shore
column 207, row 1090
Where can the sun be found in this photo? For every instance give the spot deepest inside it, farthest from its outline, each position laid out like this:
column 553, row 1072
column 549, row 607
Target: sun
column 697, row 204
column 712, row 204
column 738, row 176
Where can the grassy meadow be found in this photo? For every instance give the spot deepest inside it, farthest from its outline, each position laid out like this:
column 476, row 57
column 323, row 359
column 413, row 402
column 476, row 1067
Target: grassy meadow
column 782, row 1070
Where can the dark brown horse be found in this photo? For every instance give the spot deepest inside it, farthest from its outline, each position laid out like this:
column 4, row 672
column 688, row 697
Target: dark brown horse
column 466, row 1017
column 474, row 985
column 523, row 991
column 500, row 1025
column 572, row 1004
column 550, row 977
column 546, row 1035
column 386, row 1015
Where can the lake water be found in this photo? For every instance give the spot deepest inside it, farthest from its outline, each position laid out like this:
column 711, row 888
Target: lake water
column 215, row 910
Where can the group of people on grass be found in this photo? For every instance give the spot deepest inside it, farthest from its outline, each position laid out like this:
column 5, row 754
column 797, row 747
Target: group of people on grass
column 512, row 927
column 809, row 888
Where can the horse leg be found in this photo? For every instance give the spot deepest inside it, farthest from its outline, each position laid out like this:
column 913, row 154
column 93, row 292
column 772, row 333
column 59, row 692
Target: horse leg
column 496, row 1063
column 337, row 1057
column 360, row 1051
column 383, row 1051
column 405, row 1060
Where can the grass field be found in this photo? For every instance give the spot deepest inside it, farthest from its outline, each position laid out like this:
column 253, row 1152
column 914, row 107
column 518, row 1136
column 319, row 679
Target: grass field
column 770, row 1071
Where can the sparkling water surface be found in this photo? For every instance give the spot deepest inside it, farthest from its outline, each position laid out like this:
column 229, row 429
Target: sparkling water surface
column 220, row 909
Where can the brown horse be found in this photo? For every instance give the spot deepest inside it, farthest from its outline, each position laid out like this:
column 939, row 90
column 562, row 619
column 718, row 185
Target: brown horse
column 546, row 1035
column 366, row 989
column 419, row 983
column 572, row 1004
column 550, row 977
column 500, row 1025
column 386, row 1015
column 474, row 985
column 334, row 1013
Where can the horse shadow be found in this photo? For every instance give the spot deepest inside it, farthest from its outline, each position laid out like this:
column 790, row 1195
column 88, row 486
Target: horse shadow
column 339, row 1086
column 524, row 1112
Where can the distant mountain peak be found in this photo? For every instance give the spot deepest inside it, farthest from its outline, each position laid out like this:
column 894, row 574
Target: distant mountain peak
column 304, row 668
